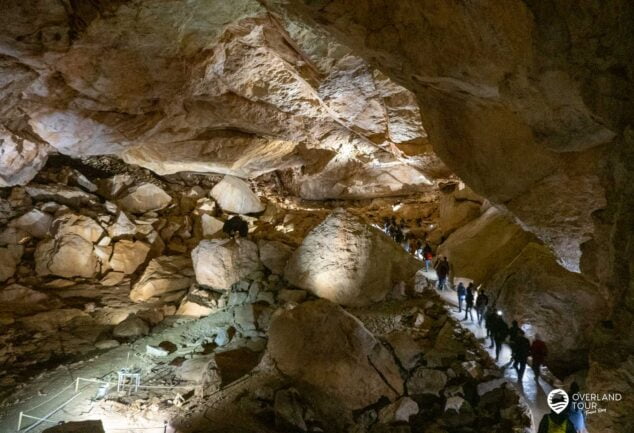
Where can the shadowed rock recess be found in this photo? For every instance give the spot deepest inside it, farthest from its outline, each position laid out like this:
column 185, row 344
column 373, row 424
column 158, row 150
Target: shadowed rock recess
column 132, row 132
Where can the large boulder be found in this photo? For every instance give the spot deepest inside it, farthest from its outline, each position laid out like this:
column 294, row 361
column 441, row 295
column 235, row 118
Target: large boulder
column 234, row 195
column 144, row 198
column 68, row 256
column 561, row 306
column 222, row 262
column 483, row 246
column 349, row 262
column 128, row 256
column 162, row 275
column 328, row 352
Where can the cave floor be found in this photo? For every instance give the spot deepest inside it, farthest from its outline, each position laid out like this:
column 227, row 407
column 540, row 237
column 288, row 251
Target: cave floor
column 533, row 392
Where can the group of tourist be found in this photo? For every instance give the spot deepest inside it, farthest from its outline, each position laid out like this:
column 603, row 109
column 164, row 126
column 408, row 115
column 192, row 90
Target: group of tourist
column 499, row 332
column 401, row 233
column 572, row 420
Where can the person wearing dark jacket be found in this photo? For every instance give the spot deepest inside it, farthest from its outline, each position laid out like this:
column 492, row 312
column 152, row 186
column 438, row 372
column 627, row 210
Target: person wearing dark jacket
column 489, row 322
column 442, row 270
column 481, row 305
column 539, row 352
column 556, row 423
column 462, row 293
column 469, row 302
column 501, row 331
column 513, row 333
column 522, row 350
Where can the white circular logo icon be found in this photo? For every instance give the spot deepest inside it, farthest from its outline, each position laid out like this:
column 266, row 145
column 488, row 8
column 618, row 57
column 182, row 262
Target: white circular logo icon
column 558, row 400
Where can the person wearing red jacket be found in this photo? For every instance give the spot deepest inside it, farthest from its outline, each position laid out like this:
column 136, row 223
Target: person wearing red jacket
column 539, row 352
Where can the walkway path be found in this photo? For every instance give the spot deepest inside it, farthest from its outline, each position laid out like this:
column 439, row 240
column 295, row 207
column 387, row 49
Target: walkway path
column 534, row 392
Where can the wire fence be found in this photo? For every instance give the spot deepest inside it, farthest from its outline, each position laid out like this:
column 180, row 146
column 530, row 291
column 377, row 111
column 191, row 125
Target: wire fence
column 76, row 390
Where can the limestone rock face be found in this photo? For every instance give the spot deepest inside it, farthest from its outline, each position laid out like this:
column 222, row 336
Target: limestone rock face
column 133, row 326
column 127, row 256
column 512, row 119
column 223, row 262
column 162, row 275
column 143, row 198
column 234, row 195
column 323, row 348
column 483, row 246
column 455, row 213
column 558, row 304
column 349, row 262
column 68, row 256
column 248, row 95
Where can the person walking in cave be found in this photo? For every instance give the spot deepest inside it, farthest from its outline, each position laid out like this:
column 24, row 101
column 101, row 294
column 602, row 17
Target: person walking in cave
column 469, row 303
column 554, row 422
column 236, row 227
column 522, row 350
column 513, row 333
column 500, row 333
column 489, row 322
column 427, row 256
column 539, row 352
column 576, row 411
column 442, row 271
column 462, row 293
column 481, row 304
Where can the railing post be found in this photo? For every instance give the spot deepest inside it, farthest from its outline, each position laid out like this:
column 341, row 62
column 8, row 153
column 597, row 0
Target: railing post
column 164, row 426
column 20, row 421
column 76, row 385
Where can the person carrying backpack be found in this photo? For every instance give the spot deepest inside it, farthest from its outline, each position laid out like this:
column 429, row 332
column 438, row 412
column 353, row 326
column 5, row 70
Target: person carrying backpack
column 481, row 305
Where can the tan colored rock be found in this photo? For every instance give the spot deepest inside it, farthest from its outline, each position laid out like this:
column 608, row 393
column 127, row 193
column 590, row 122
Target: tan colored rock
column 274, row 255
column 162, row 275
column 9, row 260
column 20, row 158
column 133, row 326
column 198, row 303
column 112, row 278
column 223, row 262
column 209, row 225
column 549, row 300
column 128, row 255
column 67, row 256
column 80, row 225
column 455, row 213
column 68, row 195
column 349, row 262
column 322, row 347
column 235, row 195
column 144, row 198
column 122, row 226
column 35, row 222
column 479, row 249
